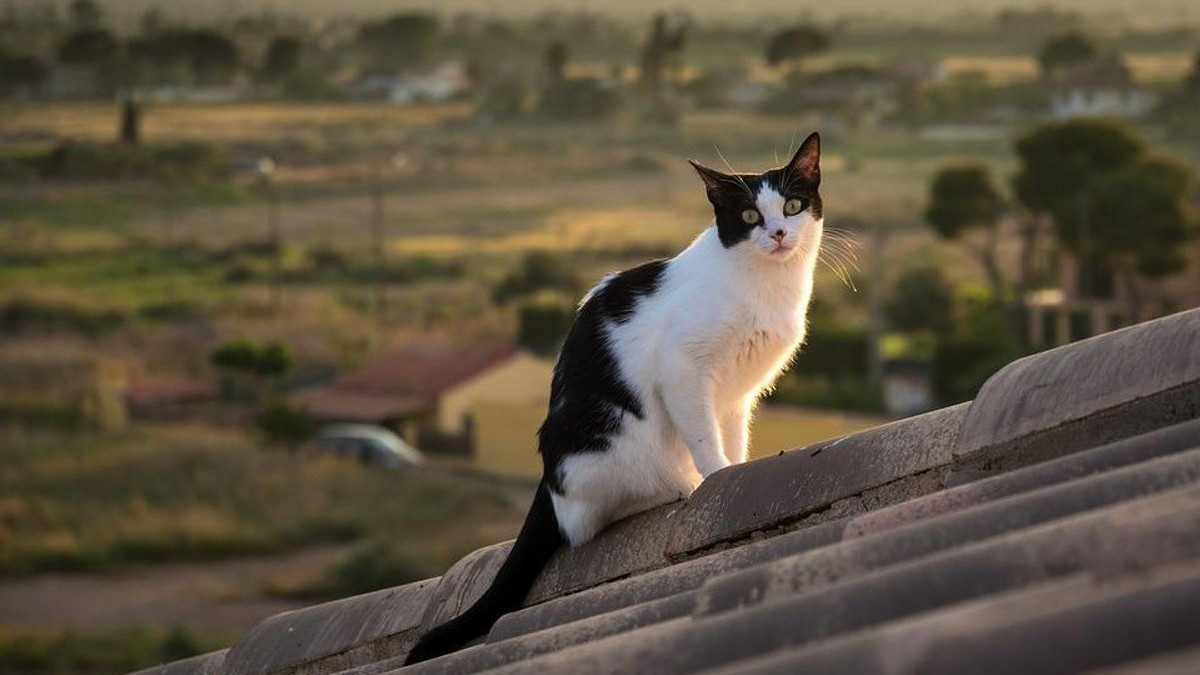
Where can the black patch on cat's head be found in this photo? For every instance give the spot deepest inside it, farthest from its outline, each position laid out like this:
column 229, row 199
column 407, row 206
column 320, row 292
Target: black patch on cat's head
column 731, row 194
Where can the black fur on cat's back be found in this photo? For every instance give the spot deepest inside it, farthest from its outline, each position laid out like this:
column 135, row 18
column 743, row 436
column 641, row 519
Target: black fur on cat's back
column 588, row 396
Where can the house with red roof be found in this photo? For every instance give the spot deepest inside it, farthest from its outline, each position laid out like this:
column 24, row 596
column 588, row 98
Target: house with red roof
column 426, row 391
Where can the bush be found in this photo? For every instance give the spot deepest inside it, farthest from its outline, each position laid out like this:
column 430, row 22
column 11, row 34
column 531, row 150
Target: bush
column 382, row 563
column 24, row 315
column 111, row 650
column 580, row 99
column 542, row 325
column 832, row 393
column 538, row 271
column 269, row 359
column 834, row 351
column 94, row 161
column 284, row 425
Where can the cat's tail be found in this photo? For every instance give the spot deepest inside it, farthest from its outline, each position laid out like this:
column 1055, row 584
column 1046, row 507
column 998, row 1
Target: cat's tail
column 540, row 537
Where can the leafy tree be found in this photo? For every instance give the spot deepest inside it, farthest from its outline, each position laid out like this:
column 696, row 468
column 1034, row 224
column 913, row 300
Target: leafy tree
column 539, row 271
column 662, row 48
column 19, row 73
column 964, row 198
column 85, row 15
column 555, row 58
column 793, row 45
column 282, row 58
column 400, row 41
column 92, row 46
column 266, row 361
column 1065, row 50
column 1138, row 220
column 212, row 56
column 1060, row 158
column 97, row 50
column 922, row 300
column 543, row 324
column 1058, row 161
column 285, row 425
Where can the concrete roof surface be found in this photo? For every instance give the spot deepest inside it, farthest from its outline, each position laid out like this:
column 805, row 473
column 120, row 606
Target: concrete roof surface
column 1052, row 525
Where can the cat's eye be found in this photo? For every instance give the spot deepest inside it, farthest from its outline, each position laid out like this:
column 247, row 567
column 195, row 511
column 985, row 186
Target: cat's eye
column 750, row 216
column 792, row 206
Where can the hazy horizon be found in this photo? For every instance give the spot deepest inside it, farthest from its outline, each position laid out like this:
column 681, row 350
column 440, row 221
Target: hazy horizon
column 913, row 11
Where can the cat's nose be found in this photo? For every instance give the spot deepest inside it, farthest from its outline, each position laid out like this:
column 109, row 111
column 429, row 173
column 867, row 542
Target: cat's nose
column 779, row 234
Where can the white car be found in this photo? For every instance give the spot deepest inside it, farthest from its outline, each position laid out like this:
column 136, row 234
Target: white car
column 367, row 443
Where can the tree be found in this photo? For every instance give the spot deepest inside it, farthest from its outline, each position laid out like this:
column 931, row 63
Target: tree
column 1065, row 50
column 85, row 15
column 963, row 198
column 243, row 358
column 539, row 271
column 663, row 46
column 285, row 425
column 282, row 58
column 131, row 123
column 400, row 41
column 1138, row 219
column 793, row 45
column 922, row 300
column 93, row 46
column 212, row 56
column 24, row 74
column 97, row 51
column 555, row 58
column 1058, row 160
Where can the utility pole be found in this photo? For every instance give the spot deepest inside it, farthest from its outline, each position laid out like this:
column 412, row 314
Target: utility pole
column 266, row 169
column 377, row 242
column 378, row 229
column 879, row 237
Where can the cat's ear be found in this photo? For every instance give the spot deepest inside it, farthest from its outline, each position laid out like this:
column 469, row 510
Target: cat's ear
column 806, row 163
column 715, row 182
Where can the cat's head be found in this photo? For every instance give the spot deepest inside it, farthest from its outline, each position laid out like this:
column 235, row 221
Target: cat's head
column 777, row 213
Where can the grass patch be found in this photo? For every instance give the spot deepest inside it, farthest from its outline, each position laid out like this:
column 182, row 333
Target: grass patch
column 113, row 650
column 87, row 503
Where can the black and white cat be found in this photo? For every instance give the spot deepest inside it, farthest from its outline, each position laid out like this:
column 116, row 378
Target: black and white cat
column 656, row 382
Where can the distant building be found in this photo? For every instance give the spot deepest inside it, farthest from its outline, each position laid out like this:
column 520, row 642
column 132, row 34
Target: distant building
column 438, row 84
column 1102, row 87
column 426, row 391
column 1091, row 300
column 167, row 396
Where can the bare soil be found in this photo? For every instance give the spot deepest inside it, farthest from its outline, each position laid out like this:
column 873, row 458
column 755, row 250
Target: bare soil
column 220, row 597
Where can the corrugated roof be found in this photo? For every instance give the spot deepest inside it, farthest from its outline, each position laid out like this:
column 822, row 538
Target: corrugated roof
column 1052, row 525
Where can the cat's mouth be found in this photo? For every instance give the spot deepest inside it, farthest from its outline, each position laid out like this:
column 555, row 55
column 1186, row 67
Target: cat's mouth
column 782, row 250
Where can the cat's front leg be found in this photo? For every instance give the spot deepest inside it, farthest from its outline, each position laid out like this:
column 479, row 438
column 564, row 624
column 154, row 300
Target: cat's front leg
column 735, row 433
column 688, row 398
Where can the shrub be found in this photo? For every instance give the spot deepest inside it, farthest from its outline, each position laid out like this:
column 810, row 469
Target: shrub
column 23, row 315
column 284, row 425
column 580, row 99
column 844, row 393
column 538, row 271
column 110, row 650
column 542, row 325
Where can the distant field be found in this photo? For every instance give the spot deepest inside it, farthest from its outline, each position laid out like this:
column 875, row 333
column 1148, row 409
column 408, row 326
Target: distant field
column 194, row 493
column 1148, row 68
column 507, row 433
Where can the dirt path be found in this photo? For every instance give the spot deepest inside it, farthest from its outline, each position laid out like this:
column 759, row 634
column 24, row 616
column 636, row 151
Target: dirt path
column 221, row 597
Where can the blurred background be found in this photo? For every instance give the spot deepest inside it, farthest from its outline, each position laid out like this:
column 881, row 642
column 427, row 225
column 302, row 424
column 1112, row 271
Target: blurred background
column 281, row 283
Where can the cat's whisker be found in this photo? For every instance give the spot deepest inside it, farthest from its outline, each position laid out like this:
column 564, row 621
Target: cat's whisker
column 733, row 172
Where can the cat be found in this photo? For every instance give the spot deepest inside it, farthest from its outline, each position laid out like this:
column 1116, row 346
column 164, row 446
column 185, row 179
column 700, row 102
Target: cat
column 659, row 374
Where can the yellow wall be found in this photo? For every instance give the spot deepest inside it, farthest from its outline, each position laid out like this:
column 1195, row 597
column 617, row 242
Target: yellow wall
column 523, row 379
column 506, row 441
column 506, row 438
